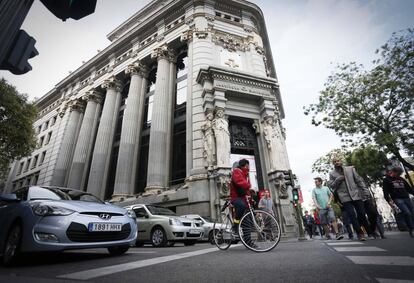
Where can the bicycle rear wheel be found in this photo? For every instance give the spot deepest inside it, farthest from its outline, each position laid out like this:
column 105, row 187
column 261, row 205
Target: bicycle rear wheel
column 222, row 232
column 259, row 231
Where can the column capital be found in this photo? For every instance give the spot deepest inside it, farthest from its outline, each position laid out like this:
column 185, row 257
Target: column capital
column 112, row 83
column 163, row 52
column 93, row 95
column 77, row 105
column 137, row 69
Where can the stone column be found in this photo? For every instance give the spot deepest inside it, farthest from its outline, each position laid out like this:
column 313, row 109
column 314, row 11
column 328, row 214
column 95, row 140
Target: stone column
column 103, row 145
column 64, row 159
column 84, row 145
column 159, row 145
column 131, row 131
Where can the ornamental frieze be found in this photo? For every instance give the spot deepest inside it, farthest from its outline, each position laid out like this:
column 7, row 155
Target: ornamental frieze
column 229, row 42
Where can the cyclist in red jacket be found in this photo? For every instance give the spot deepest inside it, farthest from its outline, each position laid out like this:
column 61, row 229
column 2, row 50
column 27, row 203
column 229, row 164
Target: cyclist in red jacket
column 239, row 188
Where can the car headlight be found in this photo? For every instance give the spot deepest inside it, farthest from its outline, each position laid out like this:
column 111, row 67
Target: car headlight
column 48, row 210
column 175, row 222
column 131, row 213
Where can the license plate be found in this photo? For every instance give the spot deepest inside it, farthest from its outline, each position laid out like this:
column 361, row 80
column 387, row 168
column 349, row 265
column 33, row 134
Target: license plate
column 194, row 231
column 103, row 227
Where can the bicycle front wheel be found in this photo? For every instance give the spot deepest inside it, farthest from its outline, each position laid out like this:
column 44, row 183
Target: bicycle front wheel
column 222, row 232
column 259, row 231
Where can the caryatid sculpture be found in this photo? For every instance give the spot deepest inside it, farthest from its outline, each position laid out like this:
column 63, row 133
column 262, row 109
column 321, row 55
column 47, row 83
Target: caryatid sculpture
column 209, row 141
column 273, row 136
column 222, row 135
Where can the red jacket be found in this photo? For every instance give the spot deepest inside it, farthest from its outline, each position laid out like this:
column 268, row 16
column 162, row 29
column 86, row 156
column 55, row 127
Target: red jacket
column 239, row 177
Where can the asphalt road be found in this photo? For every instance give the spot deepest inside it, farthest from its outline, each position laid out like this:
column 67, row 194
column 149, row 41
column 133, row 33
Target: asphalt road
column 292, row 261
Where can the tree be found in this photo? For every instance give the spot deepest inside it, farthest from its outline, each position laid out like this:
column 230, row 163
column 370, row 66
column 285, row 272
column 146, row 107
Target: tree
column 375, row 106
column 17, row 138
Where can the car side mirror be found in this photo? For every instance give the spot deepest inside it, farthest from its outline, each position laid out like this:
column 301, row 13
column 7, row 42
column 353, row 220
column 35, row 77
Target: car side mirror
column 9, row 198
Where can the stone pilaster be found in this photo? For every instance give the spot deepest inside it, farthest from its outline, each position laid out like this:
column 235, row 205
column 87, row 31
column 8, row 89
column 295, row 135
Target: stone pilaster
column 103, row 145
column 159, row 146
column 131, row 131
column 64, row 159
column 84, row 145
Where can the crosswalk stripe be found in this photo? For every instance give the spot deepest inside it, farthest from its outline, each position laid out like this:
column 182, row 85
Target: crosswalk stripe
column 344, row 243
column 97, row 272
column 388, row 280
column 358, row 249
column 383, row 260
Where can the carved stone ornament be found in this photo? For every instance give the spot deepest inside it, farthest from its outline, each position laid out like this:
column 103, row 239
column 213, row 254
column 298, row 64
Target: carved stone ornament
column 189, row 20
column 136, row 69
column 112, row 83
column 281, row 186
column 187, row 36
column 223, row 186
column 248, row 29
column 63, row 110
column 201, row 34
column 163, row 52
column 94, row 96
column 209, row 17
column 259, row 49
column 222, row 135
column 209, row 152
column 77, row 105
column 229, row 42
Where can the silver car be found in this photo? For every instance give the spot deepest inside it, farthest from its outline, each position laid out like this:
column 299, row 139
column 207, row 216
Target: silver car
column 40, row 218
column 206, row 223
column 160, row 226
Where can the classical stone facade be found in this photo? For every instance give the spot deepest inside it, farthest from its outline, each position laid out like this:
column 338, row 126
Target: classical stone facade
column 159, row 116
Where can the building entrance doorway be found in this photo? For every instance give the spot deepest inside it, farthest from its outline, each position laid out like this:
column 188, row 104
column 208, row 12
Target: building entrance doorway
column 243, row 142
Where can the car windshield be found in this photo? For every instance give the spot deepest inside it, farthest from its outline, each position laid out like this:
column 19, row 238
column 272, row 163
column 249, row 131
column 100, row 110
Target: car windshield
column 208, row 219
column 157, row 210
column 60, row 194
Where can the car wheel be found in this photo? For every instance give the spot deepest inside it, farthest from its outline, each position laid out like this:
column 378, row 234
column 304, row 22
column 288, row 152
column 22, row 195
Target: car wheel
column 189, row 243
column 12, row 246
column 158, row 237
column 118, row 250
column 211, row 237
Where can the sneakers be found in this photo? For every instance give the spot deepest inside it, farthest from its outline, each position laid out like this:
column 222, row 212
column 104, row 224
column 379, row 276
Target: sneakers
column 339, row 237
column 383, row 237
column 411, row 233
column 361, row 237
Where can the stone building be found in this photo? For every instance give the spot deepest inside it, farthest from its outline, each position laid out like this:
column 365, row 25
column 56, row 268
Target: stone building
column 184, row 89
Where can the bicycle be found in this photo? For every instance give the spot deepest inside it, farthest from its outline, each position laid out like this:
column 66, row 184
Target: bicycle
column 259, row 230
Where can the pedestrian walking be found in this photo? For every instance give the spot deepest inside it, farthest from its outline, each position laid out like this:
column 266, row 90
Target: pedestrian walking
column 322, row 198
column 318, row 223
column 348, row 187
column 308, row 222
column 396, row 193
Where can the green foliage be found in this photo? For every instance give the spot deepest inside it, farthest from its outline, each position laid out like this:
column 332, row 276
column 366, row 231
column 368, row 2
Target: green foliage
column 376, row 106
column 370, row 163
column 17, row 138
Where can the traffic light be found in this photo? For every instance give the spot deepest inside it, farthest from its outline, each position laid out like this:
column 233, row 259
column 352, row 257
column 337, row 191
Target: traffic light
column 75, row 9
column 20, row 52
column 289, row 178
column 295, row 195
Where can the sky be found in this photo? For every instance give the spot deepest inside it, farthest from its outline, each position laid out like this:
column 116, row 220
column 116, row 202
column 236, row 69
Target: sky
column 308, row 38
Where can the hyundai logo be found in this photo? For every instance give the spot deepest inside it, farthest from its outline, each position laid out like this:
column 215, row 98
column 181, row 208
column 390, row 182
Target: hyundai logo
column 105, row 216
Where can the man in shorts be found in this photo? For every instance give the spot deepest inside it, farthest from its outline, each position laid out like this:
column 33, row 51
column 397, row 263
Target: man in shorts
column 322, row 197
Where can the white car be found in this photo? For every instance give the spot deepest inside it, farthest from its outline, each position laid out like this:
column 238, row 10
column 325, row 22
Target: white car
column 160, row 226
column 206, row 223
